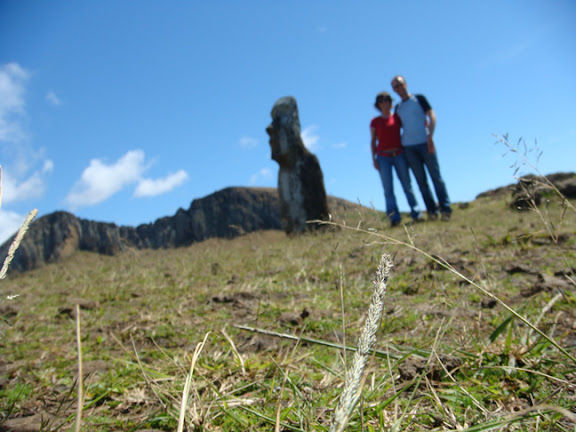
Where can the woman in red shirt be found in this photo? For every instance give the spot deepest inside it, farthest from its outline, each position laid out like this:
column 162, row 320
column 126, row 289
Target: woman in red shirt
column 387, row 152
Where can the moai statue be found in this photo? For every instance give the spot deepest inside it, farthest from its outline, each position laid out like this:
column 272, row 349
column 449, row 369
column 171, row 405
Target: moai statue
column 300, row 180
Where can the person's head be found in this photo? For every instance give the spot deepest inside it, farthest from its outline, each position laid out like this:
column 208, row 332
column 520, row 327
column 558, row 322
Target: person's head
column 383, row 101
column 399, row 86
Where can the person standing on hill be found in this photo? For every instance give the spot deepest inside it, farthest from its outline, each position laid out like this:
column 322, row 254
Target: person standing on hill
column 387, row 153
column 418, row 124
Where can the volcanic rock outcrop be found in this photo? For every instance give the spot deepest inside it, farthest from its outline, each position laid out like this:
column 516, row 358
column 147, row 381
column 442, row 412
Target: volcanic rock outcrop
column 531, row 189
column 227, row 213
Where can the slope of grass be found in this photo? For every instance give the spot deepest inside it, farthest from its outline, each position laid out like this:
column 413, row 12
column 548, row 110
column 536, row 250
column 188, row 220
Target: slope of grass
column 450, row 356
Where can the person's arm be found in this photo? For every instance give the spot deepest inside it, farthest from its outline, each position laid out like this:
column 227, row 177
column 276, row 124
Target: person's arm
column 373, row 144
column 431, row 124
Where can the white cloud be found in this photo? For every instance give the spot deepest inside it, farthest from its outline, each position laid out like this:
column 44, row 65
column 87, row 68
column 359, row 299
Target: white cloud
column 48, row 166
column 150, row 187
column 10, row 223
column 310, row 138
column 23, row 189
column 248, row 142
column 100, row 181
column 340, row 145
column 264, row 173
column 53, row 99
column 13, row 80
column 22, row 177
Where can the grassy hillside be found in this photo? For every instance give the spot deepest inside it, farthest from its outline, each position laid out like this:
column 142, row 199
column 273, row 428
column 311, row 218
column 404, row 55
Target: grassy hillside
column 478, row 330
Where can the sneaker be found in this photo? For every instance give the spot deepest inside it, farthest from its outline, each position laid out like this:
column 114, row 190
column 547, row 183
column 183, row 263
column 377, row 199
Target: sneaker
column 445, row 217
column 432, row 216
column 394, row 223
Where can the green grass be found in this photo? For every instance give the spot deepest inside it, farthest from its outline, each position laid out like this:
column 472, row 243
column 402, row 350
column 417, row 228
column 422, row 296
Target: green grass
column 448, row 358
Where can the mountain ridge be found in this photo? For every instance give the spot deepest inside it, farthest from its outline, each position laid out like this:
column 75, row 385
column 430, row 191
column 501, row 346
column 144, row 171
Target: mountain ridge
column 227, row 213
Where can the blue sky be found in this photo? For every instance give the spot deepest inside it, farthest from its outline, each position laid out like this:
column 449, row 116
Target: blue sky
column 124, row 111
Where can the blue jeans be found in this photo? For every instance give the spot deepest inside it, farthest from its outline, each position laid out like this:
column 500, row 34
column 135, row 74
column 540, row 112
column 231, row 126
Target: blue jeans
column 385, row 163
column 420, row 159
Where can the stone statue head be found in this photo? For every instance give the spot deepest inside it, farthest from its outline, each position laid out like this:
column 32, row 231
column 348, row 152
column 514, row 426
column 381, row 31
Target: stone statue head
column 284, row 131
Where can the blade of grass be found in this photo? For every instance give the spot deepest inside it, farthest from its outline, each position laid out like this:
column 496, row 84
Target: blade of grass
column 147, row 379
column 236, row 353
column 272, row 421
column 78, row 422
column 341, row 289
column 377, row 353
column 186, row 390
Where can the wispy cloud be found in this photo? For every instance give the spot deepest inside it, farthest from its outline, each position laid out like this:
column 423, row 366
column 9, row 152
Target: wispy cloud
column 22, row 189
column 310, row 138
column 53, row 99
column 263, row 174
column 100, row 181
column 150, row 187
column 248, row 142
column 13, row 80
column 25, row 168
column 506, row 53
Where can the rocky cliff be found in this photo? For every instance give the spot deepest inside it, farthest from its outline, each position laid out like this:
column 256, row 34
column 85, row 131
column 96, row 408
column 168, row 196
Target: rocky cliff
column 227, row 213
column 564, row 182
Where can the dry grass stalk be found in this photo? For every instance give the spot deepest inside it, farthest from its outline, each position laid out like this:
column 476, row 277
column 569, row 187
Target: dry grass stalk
column 78, row 422
column 354, row 375
column 16, row 242
column 235, row 351
column 147, row 378
column 285, row 379
column 524, row 161
column 188, row 383
column 341, row 289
